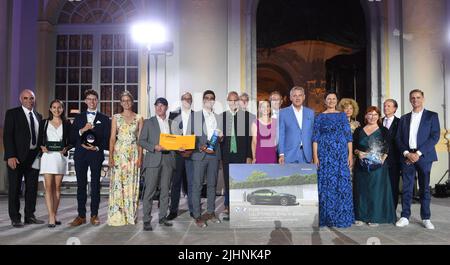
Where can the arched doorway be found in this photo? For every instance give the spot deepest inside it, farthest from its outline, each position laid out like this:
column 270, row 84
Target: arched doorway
column 304, row 38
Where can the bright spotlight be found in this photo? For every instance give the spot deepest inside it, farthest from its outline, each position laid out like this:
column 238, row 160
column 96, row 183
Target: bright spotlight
column 148, row 33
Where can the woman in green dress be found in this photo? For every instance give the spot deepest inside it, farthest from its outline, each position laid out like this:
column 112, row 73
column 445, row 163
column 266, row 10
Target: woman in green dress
column 372, row 188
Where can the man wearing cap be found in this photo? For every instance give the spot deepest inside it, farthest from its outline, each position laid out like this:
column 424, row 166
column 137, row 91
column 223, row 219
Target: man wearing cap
column 159, row 164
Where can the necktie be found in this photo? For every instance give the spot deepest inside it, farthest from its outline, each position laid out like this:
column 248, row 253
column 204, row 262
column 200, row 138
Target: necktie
column 386, row 123
column 233, row 144
column 33, row 131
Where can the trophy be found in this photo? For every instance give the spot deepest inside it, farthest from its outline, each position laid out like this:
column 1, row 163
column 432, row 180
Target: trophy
column 89, row 138
column 373, row 160
column 213, row 142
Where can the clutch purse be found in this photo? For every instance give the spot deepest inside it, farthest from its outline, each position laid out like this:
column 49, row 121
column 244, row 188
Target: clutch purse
column 55, row 146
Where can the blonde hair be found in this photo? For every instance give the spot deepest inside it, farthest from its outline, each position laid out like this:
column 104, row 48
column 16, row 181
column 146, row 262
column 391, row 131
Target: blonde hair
column 349, row 102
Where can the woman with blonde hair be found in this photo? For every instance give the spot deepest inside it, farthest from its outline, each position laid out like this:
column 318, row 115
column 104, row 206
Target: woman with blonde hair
column 125, row 160
column 351, row 109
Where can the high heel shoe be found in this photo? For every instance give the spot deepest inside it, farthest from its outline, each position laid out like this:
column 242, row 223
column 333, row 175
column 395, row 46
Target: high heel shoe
column 51, row 225
column 57, row 222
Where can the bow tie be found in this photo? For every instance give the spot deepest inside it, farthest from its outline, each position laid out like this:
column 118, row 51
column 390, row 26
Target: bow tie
column 92, row 113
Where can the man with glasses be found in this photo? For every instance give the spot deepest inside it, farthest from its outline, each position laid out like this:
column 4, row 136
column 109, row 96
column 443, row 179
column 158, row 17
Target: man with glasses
column 184, row 168
column 206, row 159
column 89, row 156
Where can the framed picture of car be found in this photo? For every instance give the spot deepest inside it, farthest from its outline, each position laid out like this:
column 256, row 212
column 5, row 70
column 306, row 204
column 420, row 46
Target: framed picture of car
column 268, row 195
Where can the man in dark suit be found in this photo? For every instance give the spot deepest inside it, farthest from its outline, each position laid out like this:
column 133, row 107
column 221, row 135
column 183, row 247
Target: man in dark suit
column 237, row 143
column 89, row 156
column 184, row 168
column 206, row 161
column 418, row 133
column 20, row 137
column 390, row 121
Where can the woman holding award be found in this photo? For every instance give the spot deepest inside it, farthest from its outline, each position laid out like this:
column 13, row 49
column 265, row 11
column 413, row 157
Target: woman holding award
column 372, row 188
column 125, row 159
column 54, row 143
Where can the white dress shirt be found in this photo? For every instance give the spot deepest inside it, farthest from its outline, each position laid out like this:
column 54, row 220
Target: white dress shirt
column 413, row 131
column 211, row 123
column 185, row 119
column 90, row 117
column 163, row 124
column 388, row 122
column 36, row 125
column 298, row 115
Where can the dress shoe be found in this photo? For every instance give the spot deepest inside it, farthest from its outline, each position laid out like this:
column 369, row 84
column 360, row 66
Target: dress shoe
column 95, row 220
column 200, row 222
column 33, row 220
column 427, row 223
column 17, row 224
column 211, row 217
column 359, row 223
column 171, row 216
column 78, row 221
column 148, row 226
column 51, row 225
column 163, row 221
column 402, row 222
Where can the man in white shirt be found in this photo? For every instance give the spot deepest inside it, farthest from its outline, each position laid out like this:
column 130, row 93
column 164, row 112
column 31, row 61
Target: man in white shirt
column 418, row 133
column 184, row 168
column 276, row 101
column 206, row 160
column 159, row 164
column 20, row 137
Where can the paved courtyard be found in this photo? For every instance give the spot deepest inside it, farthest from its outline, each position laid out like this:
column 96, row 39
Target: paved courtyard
column 185, row 232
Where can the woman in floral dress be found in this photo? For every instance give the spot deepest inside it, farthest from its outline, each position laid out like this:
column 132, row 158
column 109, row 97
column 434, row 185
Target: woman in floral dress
column 125, row 159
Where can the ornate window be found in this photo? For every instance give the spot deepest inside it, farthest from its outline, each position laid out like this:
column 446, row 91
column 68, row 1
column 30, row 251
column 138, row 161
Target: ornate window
column 93, row 50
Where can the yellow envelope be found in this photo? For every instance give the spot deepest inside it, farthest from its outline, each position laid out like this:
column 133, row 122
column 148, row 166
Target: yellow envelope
column 176, row 142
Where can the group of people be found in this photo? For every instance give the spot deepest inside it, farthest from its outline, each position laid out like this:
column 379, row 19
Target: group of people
column 352, row 189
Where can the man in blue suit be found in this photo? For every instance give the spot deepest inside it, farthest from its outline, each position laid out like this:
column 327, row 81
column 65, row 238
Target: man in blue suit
column 89, row 156
column 418, row 133
column 296, row 124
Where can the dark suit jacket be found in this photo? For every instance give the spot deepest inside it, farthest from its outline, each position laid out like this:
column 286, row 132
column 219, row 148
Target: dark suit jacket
column 243, row 136
column 427, row 136
column 102, row 129
column 394, row 154
column 43, row 125
column 17, row 135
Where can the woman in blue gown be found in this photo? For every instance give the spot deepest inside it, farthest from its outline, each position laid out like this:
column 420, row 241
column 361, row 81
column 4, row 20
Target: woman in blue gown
column 332, row 153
